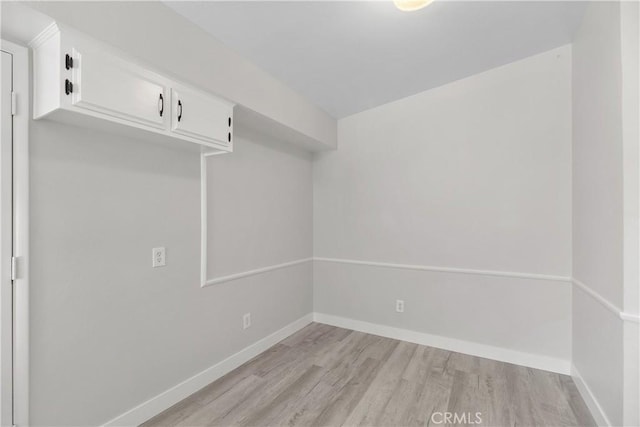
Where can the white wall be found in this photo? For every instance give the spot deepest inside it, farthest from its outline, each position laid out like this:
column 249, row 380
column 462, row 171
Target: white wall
column 473, row 175
column 605, row 207
column 108, row 331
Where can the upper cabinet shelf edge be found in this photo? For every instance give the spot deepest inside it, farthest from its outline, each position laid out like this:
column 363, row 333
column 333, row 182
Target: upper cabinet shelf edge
column 82, row 81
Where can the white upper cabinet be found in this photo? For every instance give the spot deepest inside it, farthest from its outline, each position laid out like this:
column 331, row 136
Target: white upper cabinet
column 197, row 115
column 80, row 81
column 108, row 85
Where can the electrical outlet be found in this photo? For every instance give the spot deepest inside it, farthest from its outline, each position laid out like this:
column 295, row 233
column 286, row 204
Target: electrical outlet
column 246, row 321
column 400, row 306
column 159, row 258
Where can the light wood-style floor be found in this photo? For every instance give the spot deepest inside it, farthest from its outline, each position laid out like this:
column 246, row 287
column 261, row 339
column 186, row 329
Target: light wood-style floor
column 327, row 376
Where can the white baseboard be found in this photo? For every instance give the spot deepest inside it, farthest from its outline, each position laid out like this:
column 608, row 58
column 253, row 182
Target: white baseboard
column 589, row 399
column 467, row 347
column 165, row 400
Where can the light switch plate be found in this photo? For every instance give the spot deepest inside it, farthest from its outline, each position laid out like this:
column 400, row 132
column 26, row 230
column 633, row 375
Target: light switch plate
column 159, row 258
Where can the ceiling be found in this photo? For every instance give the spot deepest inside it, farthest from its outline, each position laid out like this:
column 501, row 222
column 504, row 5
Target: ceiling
column 348, row 56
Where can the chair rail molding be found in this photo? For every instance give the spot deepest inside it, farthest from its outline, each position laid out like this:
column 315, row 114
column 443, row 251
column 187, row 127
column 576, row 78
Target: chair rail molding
column 248, row 273
column 518, row 275
column 612, row 308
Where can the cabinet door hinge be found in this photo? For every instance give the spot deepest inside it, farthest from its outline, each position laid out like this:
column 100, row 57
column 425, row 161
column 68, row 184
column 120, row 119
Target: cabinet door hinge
column 14, row 268
column 14, row 103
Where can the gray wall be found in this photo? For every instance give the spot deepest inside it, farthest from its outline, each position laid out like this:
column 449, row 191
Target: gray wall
column 108, row 331
column 475, row 174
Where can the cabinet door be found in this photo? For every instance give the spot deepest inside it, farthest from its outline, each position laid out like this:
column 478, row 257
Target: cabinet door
column 200, row 116
column 108, row 85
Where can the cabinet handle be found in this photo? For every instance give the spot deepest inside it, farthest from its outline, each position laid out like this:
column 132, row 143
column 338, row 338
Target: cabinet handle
column 161, row 105
column 179, row 110
column 68, row 87
column 68, row 62
column 229, row 121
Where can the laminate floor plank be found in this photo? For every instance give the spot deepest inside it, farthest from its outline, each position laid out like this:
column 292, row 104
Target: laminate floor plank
column 177, row 413
column 351, row 356
column 348, row 396
column 434, row 398
column 429, row 391
column 226, row 402
column 578, row 406
column 479, row 397
column 521, row 401
column 308, row 335
column 383, row 386
column 263, row 396
column 342, row 350
column 307, row 410
column 399, row 405
column 327, row 376
column 286, row 400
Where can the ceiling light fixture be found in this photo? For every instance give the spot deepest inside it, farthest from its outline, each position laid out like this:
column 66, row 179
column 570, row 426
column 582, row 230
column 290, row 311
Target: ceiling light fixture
column 411, row 5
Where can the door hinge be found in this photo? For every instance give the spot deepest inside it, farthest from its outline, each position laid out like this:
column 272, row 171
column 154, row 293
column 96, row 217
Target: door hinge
column 14, row 268
column 14, row 103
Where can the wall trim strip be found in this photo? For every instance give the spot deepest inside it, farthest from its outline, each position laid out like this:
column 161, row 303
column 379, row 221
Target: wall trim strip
column 518, row 275
column 166, row 399
column 589, row 398
column 236, row 276
column 593, row 294
column 537, row 361
column 630, row 317
column 612, row 308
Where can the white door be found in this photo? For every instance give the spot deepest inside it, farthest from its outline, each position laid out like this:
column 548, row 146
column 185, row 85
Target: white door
column 6, row 238
column 199, row 116
column 108, row 85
